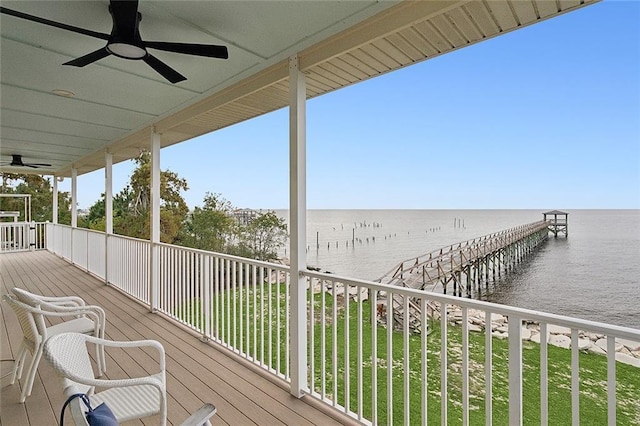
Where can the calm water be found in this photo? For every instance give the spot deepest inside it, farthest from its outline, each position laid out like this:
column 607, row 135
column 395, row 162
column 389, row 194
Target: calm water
column 594, row 274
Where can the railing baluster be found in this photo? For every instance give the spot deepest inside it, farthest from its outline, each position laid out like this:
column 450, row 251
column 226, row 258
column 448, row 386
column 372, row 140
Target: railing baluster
column 575, row 378
column 544, row 375
column 465, row 365
column 254, row 276
column 323, row 345
column 407, row 367
column 287, row 278
column 347, row 379
column 373, row 296
column 360, row 331
column 278, row 325
column 444, row 365
column 390, row 319
column 611, row 380
column 424, row 331
column 488, row 368
column 334, row 342
column 311, row 334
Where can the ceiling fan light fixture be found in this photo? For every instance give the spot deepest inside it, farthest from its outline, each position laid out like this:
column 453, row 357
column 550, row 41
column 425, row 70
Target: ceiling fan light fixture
column 126, row 51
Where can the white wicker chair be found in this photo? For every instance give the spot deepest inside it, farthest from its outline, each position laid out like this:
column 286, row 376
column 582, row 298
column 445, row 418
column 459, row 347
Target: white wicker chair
column 31, row 315
column 128, row 399
column 92, row 317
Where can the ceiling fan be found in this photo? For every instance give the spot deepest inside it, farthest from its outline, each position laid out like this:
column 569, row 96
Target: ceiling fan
column 125, row 41
column 16, row 161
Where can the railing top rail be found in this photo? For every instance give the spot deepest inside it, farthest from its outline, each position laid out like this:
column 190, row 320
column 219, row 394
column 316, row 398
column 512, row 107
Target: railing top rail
column 228, row 257
column 100, row 232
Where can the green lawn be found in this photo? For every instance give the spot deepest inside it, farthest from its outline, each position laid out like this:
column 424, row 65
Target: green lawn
column 593, row 368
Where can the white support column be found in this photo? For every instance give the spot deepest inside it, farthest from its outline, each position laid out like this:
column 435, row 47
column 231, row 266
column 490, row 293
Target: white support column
column 74, row 197
column 54, row 207
column 108, row 192
column 155, row 221
column 298, row 226
column 515, row 371
column 108, row 209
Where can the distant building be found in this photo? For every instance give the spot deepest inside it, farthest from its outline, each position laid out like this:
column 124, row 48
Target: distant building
column 244, row 216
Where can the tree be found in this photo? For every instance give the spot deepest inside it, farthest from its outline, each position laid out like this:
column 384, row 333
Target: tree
column 132, row 205
column 41, row 193
column 210, row 227
column 263, row 236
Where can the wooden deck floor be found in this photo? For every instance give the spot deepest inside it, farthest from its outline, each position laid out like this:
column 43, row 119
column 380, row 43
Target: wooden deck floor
column 196, row 372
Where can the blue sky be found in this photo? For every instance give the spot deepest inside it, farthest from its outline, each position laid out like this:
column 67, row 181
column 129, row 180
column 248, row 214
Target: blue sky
column 543, row 117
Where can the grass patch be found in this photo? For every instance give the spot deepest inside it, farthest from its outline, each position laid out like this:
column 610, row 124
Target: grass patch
column 341, row 360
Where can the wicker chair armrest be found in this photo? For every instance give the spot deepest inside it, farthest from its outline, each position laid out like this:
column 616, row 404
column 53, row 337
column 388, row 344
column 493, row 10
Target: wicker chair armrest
column 132, row 344
column 201, row 417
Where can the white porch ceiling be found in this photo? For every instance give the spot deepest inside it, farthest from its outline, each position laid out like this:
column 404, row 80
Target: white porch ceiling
column 117, row 102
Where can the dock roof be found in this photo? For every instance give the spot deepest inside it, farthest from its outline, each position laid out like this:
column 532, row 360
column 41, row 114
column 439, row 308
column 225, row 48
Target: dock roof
column 556, row 212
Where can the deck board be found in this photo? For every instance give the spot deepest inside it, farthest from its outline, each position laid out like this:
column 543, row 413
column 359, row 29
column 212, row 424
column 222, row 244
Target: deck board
column 197, row 372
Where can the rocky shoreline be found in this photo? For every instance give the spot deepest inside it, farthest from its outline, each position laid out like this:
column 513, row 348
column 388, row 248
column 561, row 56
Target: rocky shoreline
column 627, row 351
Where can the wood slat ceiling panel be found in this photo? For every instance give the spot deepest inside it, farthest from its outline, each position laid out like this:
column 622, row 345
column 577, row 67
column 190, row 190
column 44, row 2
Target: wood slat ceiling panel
column 417, row 40
column 243, row 109
column 339, row 67
column 353, row 61
column 566, row 4
column 524, row 11
column 397, row 55
column 448, row 31
column 318, row 82
column 501, row 12
column 335, row 77
column 189, row 128
column 546, row 8
column 467, row 28
column 365, row 58
column 400, row 42
column 387, row 62
column 426, row 30
column 482, row 18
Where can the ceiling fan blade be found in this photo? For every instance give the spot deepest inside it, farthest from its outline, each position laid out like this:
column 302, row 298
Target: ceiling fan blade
column 54, row 23
column 38, row 164
column 33, row 166
column 89, row 58
column 163, row 69
column 125, row 18
column 208, row 50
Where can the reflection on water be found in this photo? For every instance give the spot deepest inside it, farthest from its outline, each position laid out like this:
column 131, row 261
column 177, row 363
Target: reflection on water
column 594, row 274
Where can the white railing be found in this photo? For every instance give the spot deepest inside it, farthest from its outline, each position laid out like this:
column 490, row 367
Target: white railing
column 128, row 265
column 448, row 365
column 239, row 303
column 21, row 236
column 453, row 360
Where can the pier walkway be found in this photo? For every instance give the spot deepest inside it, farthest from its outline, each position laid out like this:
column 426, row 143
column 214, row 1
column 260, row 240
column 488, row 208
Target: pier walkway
column 467, row 263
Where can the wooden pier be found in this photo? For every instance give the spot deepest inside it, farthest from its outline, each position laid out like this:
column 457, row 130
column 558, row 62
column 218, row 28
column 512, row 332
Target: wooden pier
column 466, row 264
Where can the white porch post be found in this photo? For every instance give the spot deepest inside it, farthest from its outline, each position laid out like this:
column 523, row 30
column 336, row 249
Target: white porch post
column 155, row 221
column 108, row 192
column 54, row 207
column 74, row 197
column 298, row 226
column 515, row 370
column 108, row 209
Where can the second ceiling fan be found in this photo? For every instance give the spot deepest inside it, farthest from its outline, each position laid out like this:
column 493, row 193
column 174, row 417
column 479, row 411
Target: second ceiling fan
column 125, row 41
